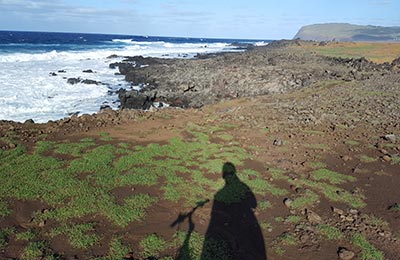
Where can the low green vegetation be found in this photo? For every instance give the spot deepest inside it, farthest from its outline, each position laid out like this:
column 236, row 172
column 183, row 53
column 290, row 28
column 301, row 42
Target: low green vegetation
column 83, row 179
column 286, row 239
column 265, row 225
column 81, row 176
column 105, row 137
column 294, row 219
column 117, row 250
column 366, row 159
column 74, row 149
column 27, row 235
column 317, row 165
column 368, row 251
column 279, row 250
column 335, row 193
column 376, row 221
column 396, row 159
column 331, row 233
column 34, row 251
column 331, row 176
column 152, row 245
column 4, row 210
column 278, row 174
column 79, row 235
column 323, row 147
column 352, row 142
column 263, row 205
column 308, row 198
column 4, row 237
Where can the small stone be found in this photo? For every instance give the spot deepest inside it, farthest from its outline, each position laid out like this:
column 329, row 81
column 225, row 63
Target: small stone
column 345, row 254
column 346, row 158
column 304, row 238
column 349, row 219
column 42, row 224
column 391, row 138
column 386, row 158
column 337, row 211
column 12, row 145
column 153, row 109
column 278, row 142
column 313, row 217
column 353, row 211
column 288, row 202
column 383, row 151
column 129, row 256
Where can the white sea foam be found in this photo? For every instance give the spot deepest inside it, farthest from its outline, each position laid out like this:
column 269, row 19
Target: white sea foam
column 27, row 91
column 261, row 43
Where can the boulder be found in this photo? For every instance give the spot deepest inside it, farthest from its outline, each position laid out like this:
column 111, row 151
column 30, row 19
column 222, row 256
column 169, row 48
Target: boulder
column 313, row 217
column 91, row 82
column 135, row 100
column 345, row 254
column 73, row 81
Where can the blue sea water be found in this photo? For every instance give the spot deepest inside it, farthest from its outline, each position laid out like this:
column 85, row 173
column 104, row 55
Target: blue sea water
column 29, row 91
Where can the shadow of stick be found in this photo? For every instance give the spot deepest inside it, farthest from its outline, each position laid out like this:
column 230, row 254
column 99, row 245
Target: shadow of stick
column 184, row 250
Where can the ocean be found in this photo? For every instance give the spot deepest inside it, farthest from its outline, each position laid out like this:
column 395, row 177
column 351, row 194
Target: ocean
column 35, row 67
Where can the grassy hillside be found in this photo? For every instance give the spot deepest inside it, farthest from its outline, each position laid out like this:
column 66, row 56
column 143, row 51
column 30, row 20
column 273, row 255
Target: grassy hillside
column 377, row 52
column 348, row 32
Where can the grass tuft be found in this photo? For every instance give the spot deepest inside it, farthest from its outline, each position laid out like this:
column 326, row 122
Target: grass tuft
column 4, row 210
column 366, row 159
column 331, row 176
column 34, row 251
column 331, row 233
column 152, row 246
column 368, row 251
column 77, row 235
column 27, row 235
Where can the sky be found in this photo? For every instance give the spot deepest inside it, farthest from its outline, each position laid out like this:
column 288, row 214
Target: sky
column 248, row 19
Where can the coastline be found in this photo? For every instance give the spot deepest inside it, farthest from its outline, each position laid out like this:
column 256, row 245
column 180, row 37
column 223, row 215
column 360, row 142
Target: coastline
column 315, row 138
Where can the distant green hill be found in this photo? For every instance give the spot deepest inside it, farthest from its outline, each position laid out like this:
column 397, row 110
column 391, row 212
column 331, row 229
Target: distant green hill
column 348, row 32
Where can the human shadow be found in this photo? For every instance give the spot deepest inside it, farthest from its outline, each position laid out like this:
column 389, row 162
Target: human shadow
column 233, row 232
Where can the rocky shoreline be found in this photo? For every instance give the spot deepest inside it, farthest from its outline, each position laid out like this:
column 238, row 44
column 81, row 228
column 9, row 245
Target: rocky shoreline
column 207, row 79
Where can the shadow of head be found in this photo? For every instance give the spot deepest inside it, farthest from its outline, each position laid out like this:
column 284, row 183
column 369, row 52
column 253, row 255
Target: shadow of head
column 228, row 170
column 229, row 174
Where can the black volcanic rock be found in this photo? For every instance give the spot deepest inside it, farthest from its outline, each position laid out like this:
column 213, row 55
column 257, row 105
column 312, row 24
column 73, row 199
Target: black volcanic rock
column 135, row 100
column 73, row 81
